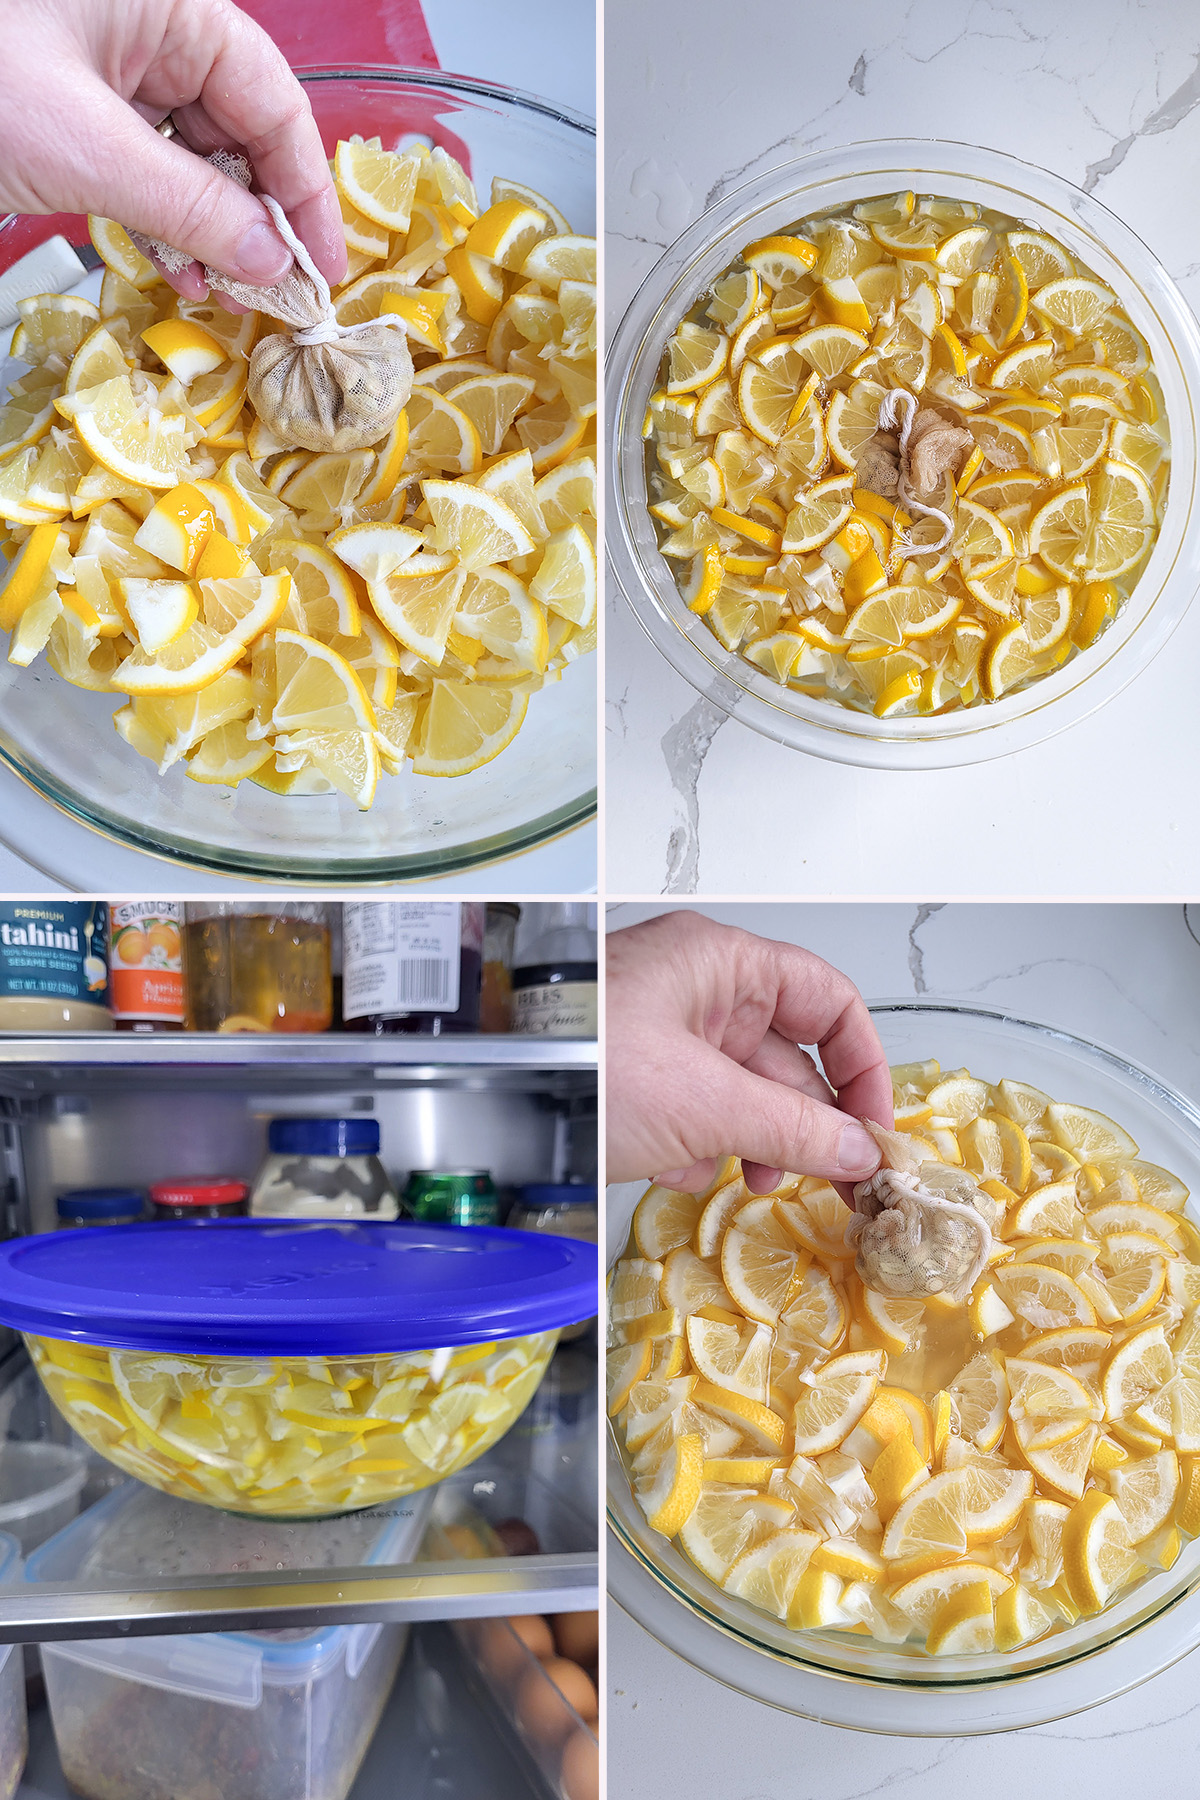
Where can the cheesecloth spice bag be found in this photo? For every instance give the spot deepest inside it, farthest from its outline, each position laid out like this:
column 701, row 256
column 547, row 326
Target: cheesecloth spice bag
column 920, row 1227
column 320, row 384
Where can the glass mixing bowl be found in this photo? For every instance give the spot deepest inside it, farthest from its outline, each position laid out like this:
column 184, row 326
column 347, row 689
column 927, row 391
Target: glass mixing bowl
column 61, row 740
column 850, row 1680
column 843, row 177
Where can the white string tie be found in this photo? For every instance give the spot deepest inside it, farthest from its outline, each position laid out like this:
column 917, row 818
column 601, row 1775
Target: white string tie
column 328, row 329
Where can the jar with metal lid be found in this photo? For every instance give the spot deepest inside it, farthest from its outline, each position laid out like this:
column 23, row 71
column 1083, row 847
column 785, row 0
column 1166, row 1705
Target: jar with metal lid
column 558, row 1209
column 199, row 1197
column 323, row 1169
column 99, row 1206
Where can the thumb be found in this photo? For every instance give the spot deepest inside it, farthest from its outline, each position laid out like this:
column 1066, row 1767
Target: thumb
column 165, row 191
column 765, row 1122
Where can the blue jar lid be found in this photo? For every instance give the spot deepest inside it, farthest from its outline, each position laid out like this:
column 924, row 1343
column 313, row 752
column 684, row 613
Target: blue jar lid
column 324, row 1137
column 558, row 1193
column 270, row 1287
column 99, row 1203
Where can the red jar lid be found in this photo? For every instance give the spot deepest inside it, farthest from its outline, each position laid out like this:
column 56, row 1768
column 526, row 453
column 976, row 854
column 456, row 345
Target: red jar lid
column 215, row 1191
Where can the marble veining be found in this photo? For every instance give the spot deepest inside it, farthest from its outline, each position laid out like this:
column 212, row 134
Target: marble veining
column 1105, row 95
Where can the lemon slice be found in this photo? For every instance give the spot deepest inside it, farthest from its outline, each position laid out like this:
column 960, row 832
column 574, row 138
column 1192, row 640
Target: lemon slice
column 99, row 358
column 830, row 349
column 560, row 258
column 670, row 1497
column 841, row 1391
column 349, row 759
column 980, row 1393
column 225, row 756
column 374, row 551
column 813, row 1312
column 1090, row 1135
column 818, row 515
column 477, row 526
column 759, row 1274
column 624, row 1368
column 1135, row 1370
column 441, row 438
column 159, row 611
column 768, row 1574
column 1060, row 529
column 233, row 614
column 419, row 609
column 1074, row 304
column 780, row 261
column 1123, row 520
column 379, row 183
column 1098, row 1556
column 663, row 1220
column 465, row 725
column 964, row 1624
column 52, row 325
column 895, row 1473
column 108, row 422
column 721, row 1524
column 734, row 1359
column 316, row 689
column 696, row 357
column 565, row 580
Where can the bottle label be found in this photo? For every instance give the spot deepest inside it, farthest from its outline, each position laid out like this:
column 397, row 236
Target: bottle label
column 559, row 1009
column 401, row 957
column 54, row 951
column 147, row 960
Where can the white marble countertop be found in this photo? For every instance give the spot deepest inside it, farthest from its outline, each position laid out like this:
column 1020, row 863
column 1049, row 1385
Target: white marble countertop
column 1100, row 92
column 538, row 46
column 1126, row 976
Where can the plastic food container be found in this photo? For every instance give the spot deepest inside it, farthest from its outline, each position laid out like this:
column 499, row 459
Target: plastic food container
column 203, row 1198
column 40, row 1488
column 276, row 1715
column 770, row 204
column 14, row 1725
column 562, row 1743
column 60, row 739
column 293, row 1369
column 850, row 1680
column 98, row 1206
column 323, row 1169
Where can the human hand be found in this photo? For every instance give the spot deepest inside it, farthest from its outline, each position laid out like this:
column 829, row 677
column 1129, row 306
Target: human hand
column 82, row 84
column 703, row 1025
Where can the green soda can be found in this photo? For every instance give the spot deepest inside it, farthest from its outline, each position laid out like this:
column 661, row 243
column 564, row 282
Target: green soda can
column 452, row 1197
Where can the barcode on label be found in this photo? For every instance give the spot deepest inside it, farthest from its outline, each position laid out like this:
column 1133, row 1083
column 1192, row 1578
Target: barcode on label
column 423, row 981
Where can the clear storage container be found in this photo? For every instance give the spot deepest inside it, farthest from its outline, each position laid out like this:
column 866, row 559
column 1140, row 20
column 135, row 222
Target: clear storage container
column 295, row 1368
column 276, row 1715
column 14, row 1725
column 40, row 1486
column 323, row 1169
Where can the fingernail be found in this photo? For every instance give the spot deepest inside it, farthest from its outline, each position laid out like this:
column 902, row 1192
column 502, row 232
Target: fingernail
column 262, row 255
column 858, row 1153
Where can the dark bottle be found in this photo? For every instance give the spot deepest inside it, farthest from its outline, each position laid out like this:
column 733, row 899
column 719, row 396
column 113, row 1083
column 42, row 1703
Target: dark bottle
column 554, row 974
column 412, row 967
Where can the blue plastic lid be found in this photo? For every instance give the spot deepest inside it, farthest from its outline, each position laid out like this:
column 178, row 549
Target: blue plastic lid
column 324, row 1137
column 558, row 1193
column 269, row 1287
column 99, row 1203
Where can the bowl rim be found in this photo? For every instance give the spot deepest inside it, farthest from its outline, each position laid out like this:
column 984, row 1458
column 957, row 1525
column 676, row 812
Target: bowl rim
column 425, row 865
column 684, row 271
column 1150, row 1640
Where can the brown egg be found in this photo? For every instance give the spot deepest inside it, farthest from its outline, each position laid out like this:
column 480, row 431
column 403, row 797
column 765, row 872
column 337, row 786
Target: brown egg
column 503, row 1652
column 577, row 1635
column 540, row 1711
column 581, row 1767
